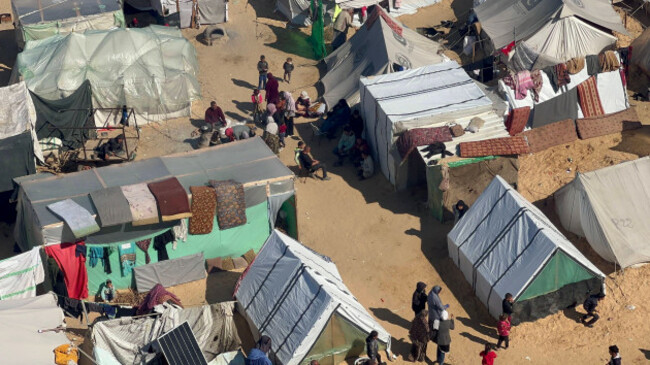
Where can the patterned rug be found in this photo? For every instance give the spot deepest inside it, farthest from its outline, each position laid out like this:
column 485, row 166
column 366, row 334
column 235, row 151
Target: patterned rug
column 494, row 147
column 204, row 205
column 589, row 99
column 231, row 203
column 517, row 120
column 416, row 137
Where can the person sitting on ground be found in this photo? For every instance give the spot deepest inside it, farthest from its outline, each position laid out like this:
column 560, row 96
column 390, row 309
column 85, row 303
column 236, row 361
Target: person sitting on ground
column 214, row 115
column 460, row 208
column 338, row 116
column 311, row 165
column 367, row 168
column 205, row 134
column 487, row 355
column 507, row 306
column 372, row 347
column 112, row 147
column 302, row 104
column 258, row 354
column 359, row 146
column 345, row 145
column 242, row 131
column 258, row 109
column 356, row 123
column 590, row 305
column 615, row 356
column 503, row 330
column 108, row 292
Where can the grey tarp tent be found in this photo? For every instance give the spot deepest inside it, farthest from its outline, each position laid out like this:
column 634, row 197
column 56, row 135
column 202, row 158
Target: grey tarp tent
column 377, row 48
column 299, row 11
column 641, row 51
column 152, row 69
column 552, row 30
column 21, row 319
column 610, row 207
column 504, row 244
column 39, row 19
column 297, row 297
column 181, row 12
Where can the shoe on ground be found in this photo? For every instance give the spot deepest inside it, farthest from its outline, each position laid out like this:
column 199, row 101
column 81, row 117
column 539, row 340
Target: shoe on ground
column 326, row 178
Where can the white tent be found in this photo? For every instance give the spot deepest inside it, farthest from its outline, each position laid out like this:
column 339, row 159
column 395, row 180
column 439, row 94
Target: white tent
column 21, row 319
column 504, row 244
column 405, row 6
column 152, row 69
column 555, row 30
column 610, row 207
column 17, row 114
column 429, row 96
column 297, row 297
column 380, row 47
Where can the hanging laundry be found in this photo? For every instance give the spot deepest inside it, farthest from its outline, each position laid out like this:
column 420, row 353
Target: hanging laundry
column 73, row 267
column 80, row 250
column 157, row 295
column 106, row 261
column 593, row 65
column 160, row 242
column 520, row 82
column 589, row 98
column 127, row 258
column 575, row 65
column 558, row 75
column 608, row 61
column 77, row 218
column 20, row 274
column 95, row 254
column 538, row 82
column 171, row 198
column 144, row 246
column 180, row 232
column 71, row 307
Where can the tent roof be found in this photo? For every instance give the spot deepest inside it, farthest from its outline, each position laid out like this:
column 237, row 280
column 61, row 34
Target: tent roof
column 641, row 51
column 21, row 319
column 249, row 162
column 507, row 240
column 372, row 51
column 290, row 293
column 611, row 205
column 509, row 20
column 38, row 11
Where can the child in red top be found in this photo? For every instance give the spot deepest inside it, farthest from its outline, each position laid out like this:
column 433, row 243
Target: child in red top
column 282, row 133
column 257, row 100
column 503, row 328
column 488, row 355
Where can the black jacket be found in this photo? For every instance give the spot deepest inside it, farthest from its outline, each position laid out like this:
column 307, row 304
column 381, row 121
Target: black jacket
column 419, row 302
column 507, row 307
column 591, row 303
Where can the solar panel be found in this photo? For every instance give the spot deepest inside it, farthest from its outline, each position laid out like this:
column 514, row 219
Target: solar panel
column 179, row 346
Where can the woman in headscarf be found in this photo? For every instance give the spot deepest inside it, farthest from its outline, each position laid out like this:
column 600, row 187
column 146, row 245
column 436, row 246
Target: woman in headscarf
column 289, row 111
column 444, row 336
column 419, row 335
column 272, row 90
column 271, row 116
column 435, row 305
column 258, row 354
column 419, row 301
column 459, row 210
column 302, row 104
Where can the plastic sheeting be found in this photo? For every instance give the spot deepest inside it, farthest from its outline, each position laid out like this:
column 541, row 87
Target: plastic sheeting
column 423, row 97
column 610, row 207
column 152, row 69
column 287, row 279
column 641, row 51
column 40, row 11
column 101, row 21
column 249, row 162
column 503, row 243
column 17, row 114
column 21, row 319
column 20, row 274
column 375, row 49
column 170, row 272
column 17, row 159
column 212, row 11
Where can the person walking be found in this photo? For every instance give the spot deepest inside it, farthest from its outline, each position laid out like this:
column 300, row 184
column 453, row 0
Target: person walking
column 435, row 304
column 288, row 68
column 487, row 355
column 419, row 335
column 615, row 356
column 503, row 330
column 372, row 345
column 446, row 324
column 272, row 87
column 263, row 69
column 590, row 305
column 341, row 25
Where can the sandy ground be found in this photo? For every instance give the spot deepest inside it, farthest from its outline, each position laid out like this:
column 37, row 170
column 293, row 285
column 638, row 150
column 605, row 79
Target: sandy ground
column 383, row 241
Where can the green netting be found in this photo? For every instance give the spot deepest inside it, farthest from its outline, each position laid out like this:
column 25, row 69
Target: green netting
column 468, row 161
column 435, row 195
column 289, row 208
column 561, row 270
column 317, row 38
column 228, row 243
column 339, row 340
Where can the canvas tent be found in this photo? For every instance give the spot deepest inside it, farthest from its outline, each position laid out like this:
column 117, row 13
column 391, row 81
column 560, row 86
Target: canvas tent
column 299, row 11
column 21, row 319
column 430, row 96
column 180, row 13
column 641, row 51
column 297, row 297
column 550, row 31
column 40, row 19
column 268, row 188
column 610, row 207
column 504, row 244
column 381, row 46
column 153, row 70
column 405, row 6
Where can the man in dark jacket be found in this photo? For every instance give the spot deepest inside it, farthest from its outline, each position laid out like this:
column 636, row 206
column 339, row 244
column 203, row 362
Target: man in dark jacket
column 310, row 164
column 419, row 301
column 507, row 305
column 615, row 356
column 590, row 306
column 372, row 347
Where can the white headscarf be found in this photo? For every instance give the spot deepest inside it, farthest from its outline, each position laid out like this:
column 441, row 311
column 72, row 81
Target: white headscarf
column 444, row 315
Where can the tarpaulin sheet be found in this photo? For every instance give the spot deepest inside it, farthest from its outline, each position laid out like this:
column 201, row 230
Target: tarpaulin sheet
column 20, row 274
column 57, row 118
column 78, row 219
column 17, row 114
column 170, row 272
column 17, row 159
column 39, row 11
column 111, row 206
column 212, row 11
column 21, row 319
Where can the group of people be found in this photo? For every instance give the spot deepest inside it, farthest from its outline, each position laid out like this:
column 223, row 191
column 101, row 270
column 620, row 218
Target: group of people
column 352, row 146
column 217, row 129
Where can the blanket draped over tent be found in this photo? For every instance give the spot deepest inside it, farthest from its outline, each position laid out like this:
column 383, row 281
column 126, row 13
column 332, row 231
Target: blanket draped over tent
column 17, row 159
column 20, row 274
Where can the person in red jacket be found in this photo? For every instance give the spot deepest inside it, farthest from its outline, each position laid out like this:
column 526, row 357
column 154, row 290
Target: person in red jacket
column 488, row 355
column 503, row 329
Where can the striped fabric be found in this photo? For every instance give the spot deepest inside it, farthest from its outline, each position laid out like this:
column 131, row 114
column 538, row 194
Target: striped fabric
column 589, row 98
column 20, row 274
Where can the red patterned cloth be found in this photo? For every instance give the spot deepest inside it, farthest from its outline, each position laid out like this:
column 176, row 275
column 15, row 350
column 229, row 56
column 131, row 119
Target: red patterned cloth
column 589, row 99
column 608, row 124
column 550, row 135
column 157, row 295
column 413, row 138
column 517, row 120
column 494, row 147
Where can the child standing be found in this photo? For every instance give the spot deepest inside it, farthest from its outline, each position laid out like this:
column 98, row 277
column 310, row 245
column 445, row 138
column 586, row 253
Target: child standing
column 282, row 132
column 257, row 100
column 288, row 68
column 503, row 328
column 488, row 355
